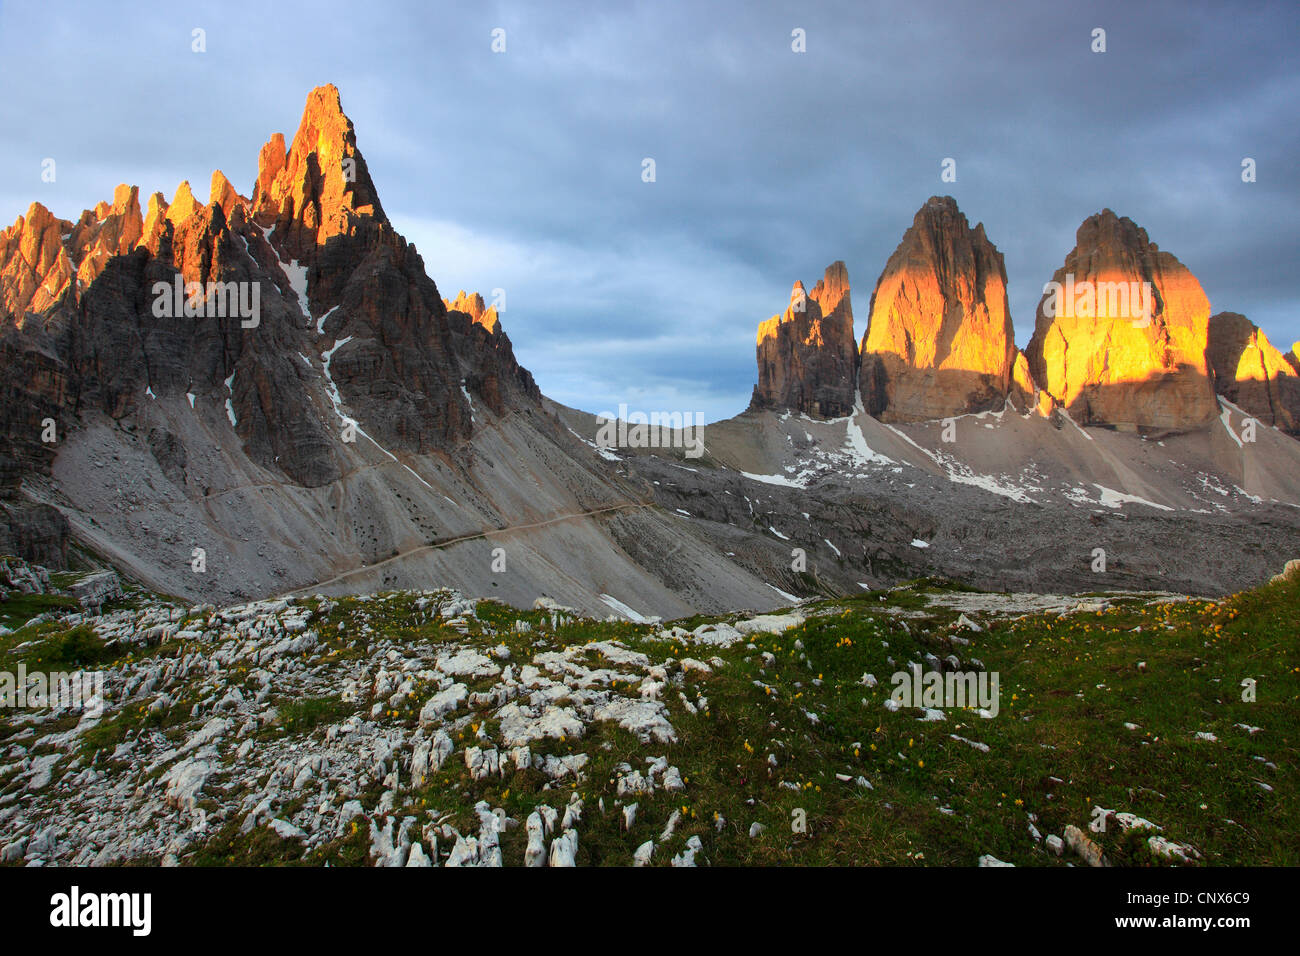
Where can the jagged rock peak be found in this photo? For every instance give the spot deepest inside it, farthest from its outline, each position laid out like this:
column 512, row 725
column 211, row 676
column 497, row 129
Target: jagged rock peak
column 106, row 232
column 224, row 194
column 832, row 291
column 472, row 304
column 183, row 204
column 1249, row 372
column 155, row 221
column 42, row 255
column 807, row 360
column 939, row 340
column 270, row 161
column 1121, row 332
column 35, row 270
column 314, row 190
column 313, row 255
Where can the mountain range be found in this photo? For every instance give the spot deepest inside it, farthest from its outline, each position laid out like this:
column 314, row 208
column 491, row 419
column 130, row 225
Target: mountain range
column 268, row 394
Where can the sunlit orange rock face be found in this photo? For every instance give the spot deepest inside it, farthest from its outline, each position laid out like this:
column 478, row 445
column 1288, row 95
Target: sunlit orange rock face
column 106, row 232
column 224, row 194
column 471, row 303
column 83, row 325
column 321, row 186
column 44, row 259
column 35, row 270
column 940, row 341
column 807, row 360
column 1108, row 361
column 1252, row 374
column 155, row 220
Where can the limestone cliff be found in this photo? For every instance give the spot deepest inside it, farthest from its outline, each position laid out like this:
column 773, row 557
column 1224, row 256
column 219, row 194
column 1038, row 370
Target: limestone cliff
column 807, row 361
column 1121, row 333
column 939, row 340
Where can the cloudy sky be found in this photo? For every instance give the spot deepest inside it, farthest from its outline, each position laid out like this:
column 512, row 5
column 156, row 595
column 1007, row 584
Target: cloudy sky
column 522, row 170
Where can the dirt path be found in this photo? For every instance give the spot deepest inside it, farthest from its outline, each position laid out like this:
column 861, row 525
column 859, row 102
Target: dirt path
column 438, row 545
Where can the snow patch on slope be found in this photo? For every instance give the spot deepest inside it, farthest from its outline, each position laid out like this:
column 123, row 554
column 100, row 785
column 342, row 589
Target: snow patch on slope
column 963, row 474
column 336, row 399
column 1113, row 499
column 856, row 442
column 775, row 480
column 230, row 408
column 626, row 611
column 296, row 274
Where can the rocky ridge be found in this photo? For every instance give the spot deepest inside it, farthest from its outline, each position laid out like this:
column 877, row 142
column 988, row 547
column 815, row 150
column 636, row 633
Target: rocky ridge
column 1123, row 338
column 335, row 282
column 939, row 341
column 1249, row 372
column 1105, row 359
column 807, row 360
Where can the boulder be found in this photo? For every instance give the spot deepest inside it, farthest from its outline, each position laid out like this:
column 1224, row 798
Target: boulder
column 1088, row 851
column 23, row 577
column 1290, row 572
column 96, row 589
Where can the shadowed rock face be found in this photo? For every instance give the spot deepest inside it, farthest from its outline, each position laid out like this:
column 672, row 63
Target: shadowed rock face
column 1097, row 352
column 1252, row 374
column 807, row 361
column 939, row 340
column 34, row 532
column 46, row 262
column 495, row 366
column 79, row 331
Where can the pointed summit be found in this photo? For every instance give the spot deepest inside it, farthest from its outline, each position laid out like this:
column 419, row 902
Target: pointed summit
column 831, row 292
column 223, row 193
column 155, row 223
column 939, row 340
column 807, row 360
column 183, row 204
column 315, row 190
column 269, row 163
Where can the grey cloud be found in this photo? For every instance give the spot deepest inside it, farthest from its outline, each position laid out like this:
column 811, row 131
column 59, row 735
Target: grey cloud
column 770, row 164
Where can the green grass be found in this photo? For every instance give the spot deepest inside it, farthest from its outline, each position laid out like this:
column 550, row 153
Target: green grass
column 21, row 608
column 1058, row 747
column 302, row 716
